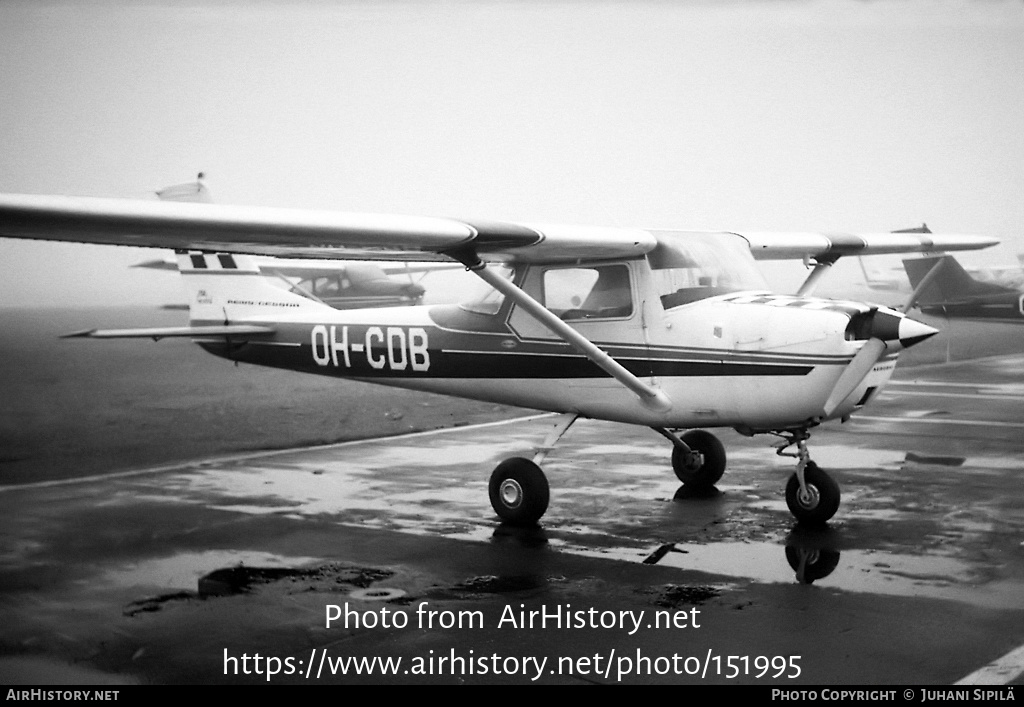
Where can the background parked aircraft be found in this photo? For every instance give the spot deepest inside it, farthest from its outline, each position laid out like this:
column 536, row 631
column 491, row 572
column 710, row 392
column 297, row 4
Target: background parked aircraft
column 339, row 285
column 954, row 293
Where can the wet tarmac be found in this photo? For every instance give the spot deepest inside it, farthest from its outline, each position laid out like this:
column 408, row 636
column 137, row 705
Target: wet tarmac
column 389, row 549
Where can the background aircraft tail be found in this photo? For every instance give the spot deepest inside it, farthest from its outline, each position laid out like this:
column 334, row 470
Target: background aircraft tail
column 951, row 285
column 196, row 191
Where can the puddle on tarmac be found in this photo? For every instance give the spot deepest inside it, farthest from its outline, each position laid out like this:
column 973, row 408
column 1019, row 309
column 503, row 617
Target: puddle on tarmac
column 303, row 492
column 871, row 571
column 410, row 490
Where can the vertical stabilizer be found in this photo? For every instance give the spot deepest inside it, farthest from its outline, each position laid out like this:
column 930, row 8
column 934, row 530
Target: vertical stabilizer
column 953, row 285
column 196, row 191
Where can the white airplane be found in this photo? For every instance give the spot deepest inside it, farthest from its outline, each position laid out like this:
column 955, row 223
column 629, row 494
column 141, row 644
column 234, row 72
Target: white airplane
column 671, row 330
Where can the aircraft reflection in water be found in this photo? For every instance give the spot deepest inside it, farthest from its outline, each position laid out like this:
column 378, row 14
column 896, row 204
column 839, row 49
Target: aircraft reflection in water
column 810, row 552
column 671, row 330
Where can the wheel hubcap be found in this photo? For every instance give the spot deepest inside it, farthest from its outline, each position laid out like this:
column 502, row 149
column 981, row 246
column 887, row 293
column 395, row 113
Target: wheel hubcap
column 511, row 493
column 694, row 461
column 810, row 499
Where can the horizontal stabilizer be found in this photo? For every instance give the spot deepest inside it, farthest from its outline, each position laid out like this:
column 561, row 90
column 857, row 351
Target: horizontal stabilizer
column 159, row 264
column 197, row 332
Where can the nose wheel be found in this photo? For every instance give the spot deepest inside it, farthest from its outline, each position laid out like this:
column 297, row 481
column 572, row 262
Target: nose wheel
column 811, row 495
column 817, row 501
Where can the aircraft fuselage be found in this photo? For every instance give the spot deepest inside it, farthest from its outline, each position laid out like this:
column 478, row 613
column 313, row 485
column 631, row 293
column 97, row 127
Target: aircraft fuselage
column 732, row 361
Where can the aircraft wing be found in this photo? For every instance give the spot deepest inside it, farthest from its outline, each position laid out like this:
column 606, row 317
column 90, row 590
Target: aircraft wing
column 292, row 233
column 831, row 246
column 307, row 269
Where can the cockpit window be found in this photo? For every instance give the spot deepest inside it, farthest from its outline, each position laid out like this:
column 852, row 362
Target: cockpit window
column 329, row 286
column 690, row 266
column 599, row 292
column 484, row 299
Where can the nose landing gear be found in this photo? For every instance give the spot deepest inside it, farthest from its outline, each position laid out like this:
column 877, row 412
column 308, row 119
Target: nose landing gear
column 811, row 495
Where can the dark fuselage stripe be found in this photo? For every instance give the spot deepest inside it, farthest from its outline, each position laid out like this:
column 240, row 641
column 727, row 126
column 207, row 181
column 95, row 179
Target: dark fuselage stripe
column 482, row 365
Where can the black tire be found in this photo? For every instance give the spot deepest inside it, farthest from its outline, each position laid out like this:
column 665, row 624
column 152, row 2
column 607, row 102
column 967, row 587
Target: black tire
column 519, row 491
column 703, row 477
column 824, row 496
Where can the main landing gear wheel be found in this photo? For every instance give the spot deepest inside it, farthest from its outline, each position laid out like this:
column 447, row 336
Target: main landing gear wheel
column 703, row 474
column 519, row 491
column 820, row 502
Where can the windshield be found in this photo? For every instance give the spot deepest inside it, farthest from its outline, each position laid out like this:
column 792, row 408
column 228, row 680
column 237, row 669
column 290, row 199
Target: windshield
column 483, row 299
column 688, row 266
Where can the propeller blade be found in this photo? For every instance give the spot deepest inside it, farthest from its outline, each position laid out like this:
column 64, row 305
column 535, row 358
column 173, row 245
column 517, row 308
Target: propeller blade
column 855, row 372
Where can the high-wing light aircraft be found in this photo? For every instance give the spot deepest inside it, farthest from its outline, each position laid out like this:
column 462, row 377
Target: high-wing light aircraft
column 671, row 330
column 952, row 293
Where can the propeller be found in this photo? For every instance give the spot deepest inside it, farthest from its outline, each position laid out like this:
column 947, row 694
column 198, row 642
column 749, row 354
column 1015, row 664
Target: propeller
column 855, row 372
column 885, row 329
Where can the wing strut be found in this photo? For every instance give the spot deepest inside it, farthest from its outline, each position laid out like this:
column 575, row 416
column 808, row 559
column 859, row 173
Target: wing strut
column 820, row 268
column 649, row 396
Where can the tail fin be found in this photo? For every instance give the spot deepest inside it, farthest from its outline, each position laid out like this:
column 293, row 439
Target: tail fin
column 225, row 288
column 952, row 285
column 189, row 191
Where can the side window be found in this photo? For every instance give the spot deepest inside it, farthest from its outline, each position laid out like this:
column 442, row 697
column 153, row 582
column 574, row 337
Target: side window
column 325, row 286
column 599, row 292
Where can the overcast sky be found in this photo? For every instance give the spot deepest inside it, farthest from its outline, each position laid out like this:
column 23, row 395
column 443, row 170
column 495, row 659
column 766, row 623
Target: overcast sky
column 744, row 115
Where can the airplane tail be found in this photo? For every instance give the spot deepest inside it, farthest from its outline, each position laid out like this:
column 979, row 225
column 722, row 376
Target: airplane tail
column 951, row 285
column 196, row 191
column 225, row 288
